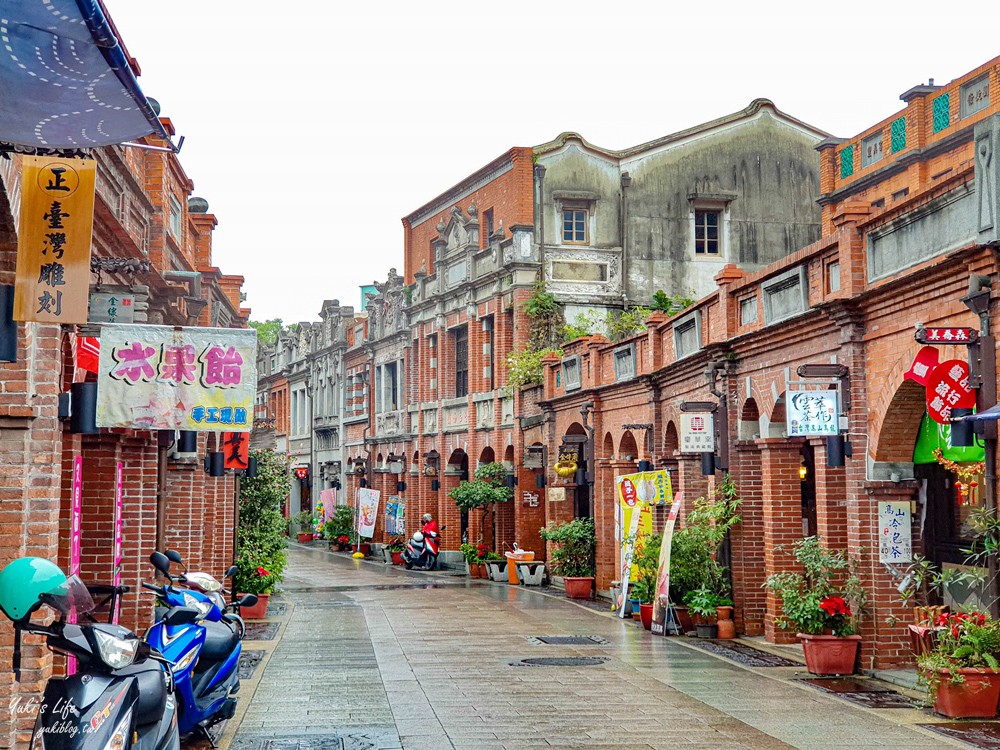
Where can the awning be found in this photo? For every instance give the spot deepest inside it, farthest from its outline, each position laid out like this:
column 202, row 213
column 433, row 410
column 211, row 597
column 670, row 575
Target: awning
column 65, row 81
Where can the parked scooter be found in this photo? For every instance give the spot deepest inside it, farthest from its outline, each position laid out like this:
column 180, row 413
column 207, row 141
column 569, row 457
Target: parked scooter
column 422, row 551
column 121, row 696
column 205, row 654
column 207, row 588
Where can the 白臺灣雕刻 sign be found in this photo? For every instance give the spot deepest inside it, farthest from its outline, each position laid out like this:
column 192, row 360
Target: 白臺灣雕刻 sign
column 164, row 378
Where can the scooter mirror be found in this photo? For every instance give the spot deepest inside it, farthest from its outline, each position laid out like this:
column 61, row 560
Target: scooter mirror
column 248, row 600
column 161, row 562
column 143, row 651
column 174, row 556
column 181, row 616
column 232, row 571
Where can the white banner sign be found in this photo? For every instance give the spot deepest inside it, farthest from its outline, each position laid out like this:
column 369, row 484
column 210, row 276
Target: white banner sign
column 367, row 512
column 895, row 542
column 812, row 413
column 165, row 378
column 697, row 433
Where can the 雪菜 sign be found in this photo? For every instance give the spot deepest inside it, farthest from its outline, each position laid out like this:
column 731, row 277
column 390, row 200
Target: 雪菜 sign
column 812, row 413
column 164, row 378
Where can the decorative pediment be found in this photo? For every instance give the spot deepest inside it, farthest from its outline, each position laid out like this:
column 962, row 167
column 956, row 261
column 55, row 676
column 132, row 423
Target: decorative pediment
column 460, row 233
column 385, row 308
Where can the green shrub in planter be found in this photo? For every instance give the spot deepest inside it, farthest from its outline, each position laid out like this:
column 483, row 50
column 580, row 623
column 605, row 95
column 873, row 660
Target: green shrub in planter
column 576, row 543
column 261, row 556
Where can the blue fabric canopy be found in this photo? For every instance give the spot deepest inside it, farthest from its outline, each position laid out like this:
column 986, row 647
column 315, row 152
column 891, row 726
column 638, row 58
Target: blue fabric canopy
column 65, row 82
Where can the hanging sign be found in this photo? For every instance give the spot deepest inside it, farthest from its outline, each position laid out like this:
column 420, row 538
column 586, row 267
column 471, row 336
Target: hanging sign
column 812, row 413
column 895, row 542
column 948, row 388
column 368, row 501
column 697, row 433
column 111, row 308
column 661, row 599
column 925, row 361
column 166, row 378
column 942, row 336
column 236, row 450
column 53, row 245
column 116, row 550
column 75, row 538
column 301, row 472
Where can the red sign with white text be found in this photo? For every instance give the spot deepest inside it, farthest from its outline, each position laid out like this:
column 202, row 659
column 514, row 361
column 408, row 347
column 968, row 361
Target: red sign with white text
column 948, row 388
column 947, row 335
column 925, row 361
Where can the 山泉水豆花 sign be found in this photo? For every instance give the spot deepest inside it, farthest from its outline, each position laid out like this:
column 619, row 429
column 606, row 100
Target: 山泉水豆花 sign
column 165, row 378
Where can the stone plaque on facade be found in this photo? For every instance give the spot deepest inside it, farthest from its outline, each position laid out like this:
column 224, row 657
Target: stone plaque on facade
column 456, row 417
column 871, row 149
column 484, row 413
column 430, row 420
column 975, row 96
column 507, row 411
column 456, row 273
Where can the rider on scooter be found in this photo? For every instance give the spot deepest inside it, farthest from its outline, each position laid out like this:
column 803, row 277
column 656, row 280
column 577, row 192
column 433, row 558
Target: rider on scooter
column 430, row 525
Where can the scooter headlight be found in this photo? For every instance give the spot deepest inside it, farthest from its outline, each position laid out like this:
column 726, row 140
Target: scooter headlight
column 119, row 737
column 116, row 652
column 185, row 661
column 203, row 607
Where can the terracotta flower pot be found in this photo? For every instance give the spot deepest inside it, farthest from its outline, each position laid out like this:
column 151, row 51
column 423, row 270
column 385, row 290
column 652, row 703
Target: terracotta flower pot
column 257, row 611
column 305, row 537
column 473, row 569
column 578, row 588
column 830, row 654
column 684, row 618
column 646, row 615
column 727, row 628
column 397, row 558
column 365, row 548
column 975, row 697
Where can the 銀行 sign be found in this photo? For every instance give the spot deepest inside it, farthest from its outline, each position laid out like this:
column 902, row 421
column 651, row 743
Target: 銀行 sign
column 53, row 246
column 164, row 378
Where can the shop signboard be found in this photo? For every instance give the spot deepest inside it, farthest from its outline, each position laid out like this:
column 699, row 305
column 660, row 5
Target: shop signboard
column 944, row 336
column 698, row 433
column 637, row 494
column 236, row 450
column 894, row 535
column 52, row 283
column 948, row 388
column 395, row 511
column 812, row 413
column 925, row 361
column 112, row 308
column 183, row 378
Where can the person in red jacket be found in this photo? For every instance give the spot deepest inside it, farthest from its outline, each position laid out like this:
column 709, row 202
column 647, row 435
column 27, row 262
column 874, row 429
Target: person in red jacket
column 429, row 525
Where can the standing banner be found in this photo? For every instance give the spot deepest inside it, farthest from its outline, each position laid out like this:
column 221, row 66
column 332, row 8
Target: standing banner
column 394, row 512
column 367, row 511
column 166, row 378
column 116, row 551
column 662, row 598
column 53, row 244
column 637, row 494
column 329, row 500
column 75, row 538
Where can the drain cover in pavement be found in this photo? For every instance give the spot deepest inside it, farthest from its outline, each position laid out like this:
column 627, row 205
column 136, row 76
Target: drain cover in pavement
column 567, row 640
column 563, row 661
column 275, row 609
column 984, row 734
column 743, row 654
column 248, row 662
column 863, row 692
column 261, row 631
column 347, row 739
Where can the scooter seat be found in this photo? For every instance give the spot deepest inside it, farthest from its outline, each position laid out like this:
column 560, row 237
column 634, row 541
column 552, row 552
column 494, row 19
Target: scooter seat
column 220, row 640
column 152, row 691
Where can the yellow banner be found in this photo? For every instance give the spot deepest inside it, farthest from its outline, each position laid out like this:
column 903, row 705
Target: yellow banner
column 53, row 244
column 636, row 495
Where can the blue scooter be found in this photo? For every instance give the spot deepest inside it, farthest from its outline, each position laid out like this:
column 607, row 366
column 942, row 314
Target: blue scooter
column 205, row 654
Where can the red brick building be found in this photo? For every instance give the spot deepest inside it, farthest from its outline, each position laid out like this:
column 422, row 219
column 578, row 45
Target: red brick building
column 910, row 213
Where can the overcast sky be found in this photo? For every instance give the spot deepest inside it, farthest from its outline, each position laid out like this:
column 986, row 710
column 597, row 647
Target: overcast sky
column 313, row 127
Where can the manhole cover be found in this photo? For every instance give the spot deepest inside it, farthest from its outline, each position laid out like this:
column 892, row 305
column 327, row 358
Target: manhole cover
column 567, row 640
column 563, row 661
column 261, row 631
column 743, row 654
column 248, row 662
column 347, row 739
column 845, row 685
column 977, row 733
column 276, row 610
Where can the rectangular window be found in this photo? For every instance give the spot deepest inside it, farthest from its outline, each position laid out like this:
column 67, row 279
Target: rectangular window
column 833, row 277
column 488, row 225
column 460, row 338
column 625, row 362
column 706, row 232
column 575, row 226
column 175, row 218
column 390, row 385
column 488, row 352
column 748, row 311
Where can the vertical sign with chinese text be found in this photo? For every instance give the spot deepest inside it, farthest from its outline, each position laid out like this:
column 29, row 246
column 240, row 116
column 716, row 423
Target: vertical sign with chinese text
column 236, row 450
column 53, row 247
column 75, row 537
column 116, row 553
column 697, row 433
column 895, row 544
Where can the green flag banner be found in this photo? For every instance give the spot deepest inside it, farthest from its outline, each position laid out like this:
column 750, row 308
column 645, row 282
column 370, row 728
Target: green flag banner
column 933, row 435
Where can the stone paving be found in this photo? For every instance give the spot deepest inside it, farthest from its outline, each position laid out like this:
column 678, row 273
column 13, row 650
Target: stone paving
column 371, row 656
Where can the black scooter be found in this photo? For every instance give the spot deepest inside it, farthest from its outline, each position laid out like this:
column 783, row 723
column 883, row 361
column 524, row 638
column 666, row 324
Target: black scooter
column 121, row 696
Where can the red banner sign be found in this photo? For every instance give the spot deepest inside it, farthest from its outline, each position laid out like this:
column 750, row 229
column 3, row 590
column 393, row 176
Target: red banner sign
column 948, row 388
column 236, row 450
column 925, row 361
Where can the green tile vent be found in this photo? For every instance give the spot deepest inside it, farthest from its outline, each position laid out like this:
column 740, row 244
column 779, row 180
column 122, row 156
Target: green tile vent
column 847, row 161
column 898, row 134
column 942, row 112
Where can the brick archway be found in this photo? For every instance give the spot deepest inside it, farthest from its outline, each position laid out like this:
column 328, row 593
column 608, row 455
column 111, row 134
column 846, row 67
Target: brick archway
column 900, row 424
column 628, row 446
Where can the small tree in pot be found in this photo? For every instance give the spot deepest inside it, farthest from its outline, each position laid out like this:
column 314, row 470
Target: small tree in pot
column 261, row 556
column 487, row 489
column 573, row 558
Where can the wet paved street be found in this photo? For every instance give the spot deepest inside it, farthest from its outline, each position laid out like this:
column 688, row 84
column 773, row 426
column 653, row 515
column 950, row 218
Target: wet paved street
column 370, row 656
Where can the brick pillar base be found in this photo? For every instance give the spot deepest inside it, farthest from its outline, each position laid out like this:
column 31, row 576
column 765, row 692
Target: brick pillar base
column 746, row 541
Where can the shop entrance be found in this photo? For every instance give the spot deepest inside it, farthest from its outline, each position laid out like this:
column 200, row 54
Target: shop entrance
column 807, row 478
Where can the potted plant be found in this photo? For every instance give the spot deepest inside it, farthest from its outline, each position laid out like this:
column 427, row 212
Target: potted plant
column 573, row 556
column 962, row 670
column 488, row 488
column 923, row 582
column 395, row 548
column 303, row 521
column 644, row 590
column 822, row 611
column 471, row 555
column 703, row 605
column 339, row 530
column 261, row 556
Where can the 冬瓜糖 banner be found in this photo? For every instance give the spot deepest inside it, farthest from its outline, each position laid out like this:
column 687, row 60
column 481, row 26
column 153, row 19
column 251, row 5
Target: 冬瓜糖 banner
column 185, row 378
column 636, row 496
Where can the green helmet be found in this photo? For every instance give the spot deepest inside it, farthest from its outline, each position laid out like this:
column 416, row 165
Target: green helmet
column 24, row 581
